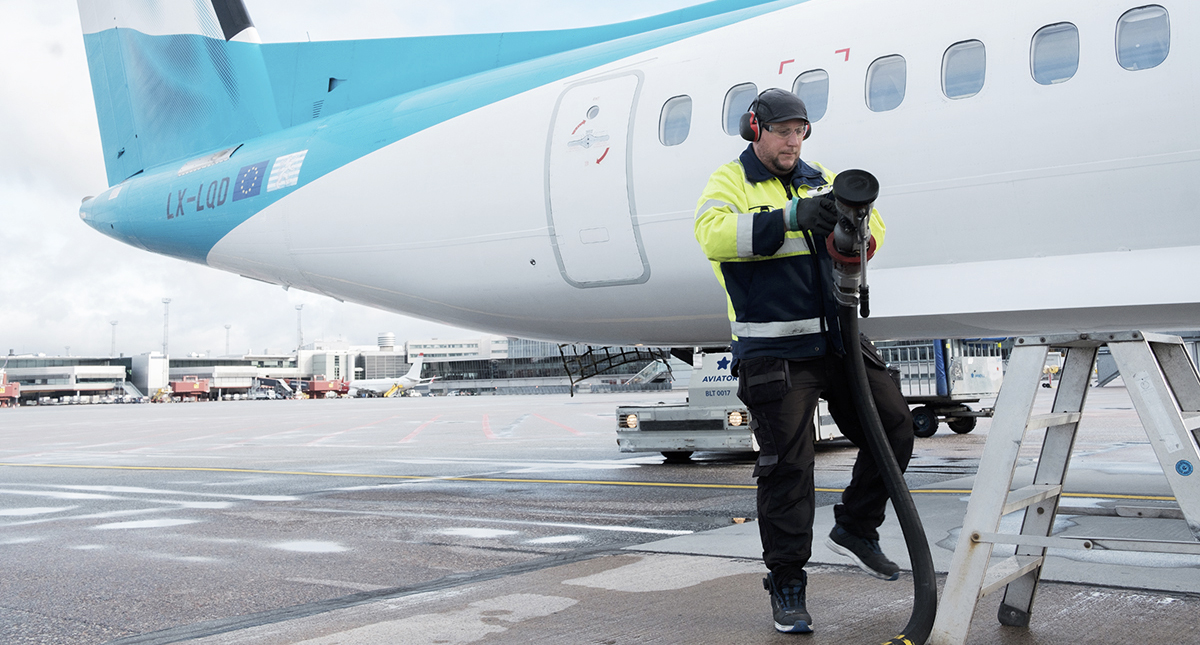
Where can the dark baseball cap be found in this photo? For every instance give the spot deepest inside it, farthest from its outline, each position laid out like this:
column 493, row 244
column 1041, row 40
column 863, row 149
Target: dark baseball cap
column 775, row 105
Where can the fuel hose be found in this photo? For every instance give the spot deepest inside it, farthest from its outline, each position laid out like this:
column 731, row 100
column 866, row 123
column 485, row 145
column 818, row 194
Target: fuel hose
column 920, row 623
column 851, row 246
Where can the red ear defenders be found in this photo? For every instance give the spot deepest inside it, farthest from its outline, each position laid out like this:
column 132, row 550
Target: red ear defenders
column 751, row 129
column 749, row 126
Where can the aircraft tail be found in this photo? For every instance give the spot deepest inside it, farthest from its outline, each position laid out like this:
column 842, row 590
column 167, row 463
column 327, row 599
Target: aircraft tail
column 414, row 372
column 175, row 79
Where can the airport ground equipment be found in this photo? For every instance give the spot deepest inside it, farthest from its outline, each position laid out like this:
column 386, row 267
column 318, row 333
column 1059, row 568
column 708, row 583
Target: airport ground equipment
column 712, row 419
column 320, row 388
column 943, row 377
column 10, row 393
column 1163, row 383
column 190, row 388
column 851, row 246
column 585, row 361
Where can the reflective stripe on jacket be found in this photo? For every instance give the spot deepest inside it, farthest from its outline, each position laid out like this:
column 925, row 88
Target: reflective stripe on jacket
column 778, row 282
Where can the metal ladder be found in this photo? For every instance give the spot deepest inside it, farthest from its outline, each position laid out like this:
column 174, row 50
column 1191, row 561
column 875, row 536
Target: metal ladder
column 1165, row 389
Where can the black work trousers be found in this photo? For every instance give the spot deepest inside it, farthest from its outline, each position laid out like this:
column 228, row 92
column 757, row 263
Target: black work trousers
column 782, row 398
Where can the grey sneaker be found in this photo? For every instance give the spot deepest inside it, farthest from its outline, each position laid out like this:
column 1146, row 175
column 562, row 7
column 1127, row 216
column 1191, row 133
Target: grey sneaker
column 865, row 553
column 787, row 604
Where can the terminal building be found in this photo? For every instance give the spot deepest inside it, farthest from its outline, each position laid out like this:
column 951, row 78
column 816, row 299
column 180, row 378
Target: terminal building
column 57, row 376
column 478, row 365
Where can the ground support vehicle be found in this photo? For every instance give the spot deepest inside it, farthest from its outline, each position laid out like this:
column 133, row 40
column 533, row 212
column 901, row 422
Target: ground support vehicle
column 190, row 388
column 10, row 393
column 942, row 377
column 712, row 419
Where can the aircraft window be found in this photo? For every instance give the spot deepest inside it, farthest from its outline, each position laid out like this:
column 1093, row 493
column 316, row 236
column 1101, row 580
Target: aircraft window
column 963, row 68
column 675, row 122
column 737, row 101
column 813, row 88
column 885, row 83
column 1054, row 54
column 1143, row 37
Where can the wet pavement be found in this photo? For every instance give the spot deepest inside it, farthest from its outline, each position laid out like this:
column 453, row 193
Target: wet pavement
column 501, row 520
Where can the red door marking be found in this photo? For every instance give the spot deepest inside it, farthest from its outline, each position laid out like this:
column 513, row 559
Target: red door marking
column 579, row 126
column 603, row 155
column 785, row 63
column 845, row 51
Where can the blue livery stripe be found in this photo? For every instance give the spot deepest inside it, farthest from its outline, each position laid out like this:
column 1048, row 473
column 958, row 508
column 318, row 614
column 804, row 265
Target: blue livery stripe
column 331, row 141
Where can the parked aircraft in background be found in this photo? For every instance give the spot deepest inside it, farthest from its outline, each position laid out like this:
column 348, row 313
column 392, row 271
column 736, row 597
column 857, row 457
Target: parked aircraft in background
column 1037, row 159
column 393, row 386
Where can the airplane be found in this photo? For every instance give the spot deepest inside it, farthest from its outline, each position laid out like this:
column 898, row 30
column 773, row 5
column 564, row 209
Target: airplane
column 393, row 386
column 1036, row 160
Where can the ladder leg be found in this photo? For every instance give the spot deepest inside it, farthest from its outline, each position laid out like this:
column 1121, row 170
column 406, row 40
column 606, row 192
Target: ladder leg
column 1173, row 443
column 1180, row 373
column 992, row 482
column 1017, row 605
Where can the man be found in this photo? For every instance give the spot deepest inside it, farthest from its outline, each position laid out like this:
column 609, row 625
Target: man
column 762, row 221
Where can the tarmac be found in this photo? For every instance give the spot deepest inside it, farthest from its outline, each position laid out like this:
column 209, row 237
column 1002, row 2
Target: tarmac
column 698, row 587
column 705, row 587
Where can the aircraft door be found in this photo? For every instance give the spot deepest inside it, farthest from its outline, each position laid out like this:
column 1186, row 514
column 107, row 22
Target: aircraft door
column 589, row 184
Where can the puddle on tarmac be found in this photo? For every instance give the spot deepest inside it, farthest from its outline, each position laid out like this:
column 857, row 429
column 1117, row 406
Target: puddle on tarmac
column 310, row 546
column 557, row 539
column 144, row 524
column 43, row 510
column 482, row 534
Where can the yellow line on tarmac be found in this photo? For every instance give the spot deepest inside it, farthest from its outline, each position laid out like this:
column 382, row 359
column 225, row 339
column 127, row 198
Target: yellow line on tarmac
column 921, row 491
column 370, row 476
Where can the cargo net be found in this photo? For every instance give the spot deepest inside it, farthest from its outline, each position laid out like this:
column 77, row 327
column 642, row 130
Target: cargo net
column 584, row 361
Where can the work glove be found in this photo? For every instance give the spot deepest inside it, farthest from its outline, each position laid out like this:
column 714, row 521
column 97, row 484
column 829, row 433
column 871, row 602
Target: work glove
column 816, row 214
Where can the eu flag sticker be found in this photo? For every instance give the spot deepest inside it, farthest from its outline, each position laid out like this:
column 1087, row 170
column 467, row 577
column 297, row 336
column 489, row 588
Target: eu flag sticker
column 249, row 181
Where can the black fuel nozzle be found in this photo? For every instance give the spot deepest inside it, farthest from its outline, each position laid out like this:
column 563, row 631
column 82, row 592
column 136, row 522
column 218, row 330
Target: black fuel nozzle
column 854, row 192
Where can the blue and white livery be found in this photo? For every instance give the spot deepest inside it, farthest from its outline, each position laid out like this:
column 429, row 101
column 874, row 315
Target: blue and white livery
column 542, row 184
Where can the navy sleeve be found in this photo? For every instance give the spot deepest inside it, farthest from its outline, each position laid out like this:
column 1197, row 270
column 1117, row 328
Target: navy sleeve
column 768, row 232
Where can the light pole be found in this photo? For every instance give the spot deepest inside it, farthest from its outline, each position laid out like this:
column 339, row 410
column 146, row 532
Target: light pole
column 113, row 351
column 299, row 329
column 166, row 319
column 227, row 339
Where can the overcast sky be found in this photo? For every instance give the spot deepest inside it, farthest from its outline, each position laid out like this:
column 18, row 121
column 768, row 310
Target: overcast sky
column 61, row 283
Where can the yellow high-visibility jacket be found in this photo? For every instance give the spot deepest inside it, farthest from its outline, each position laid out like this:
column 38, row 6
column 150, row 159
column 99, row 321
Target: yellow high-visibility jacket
column 778, row 282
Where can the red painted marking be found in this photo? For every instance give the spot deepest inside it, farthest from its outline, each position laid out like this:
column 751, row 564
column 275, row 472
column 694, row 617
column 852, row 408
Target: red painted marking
column 413, row 435
column 487, row 428
column 845, row 51
column 572, row 132
column 366, row 425
column 785, row 63
column 567, row 428
column 603, row 155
